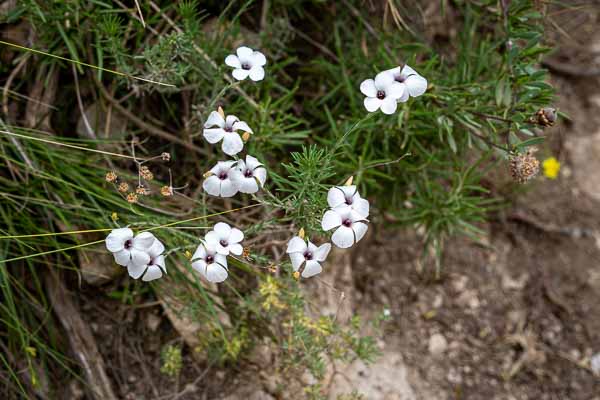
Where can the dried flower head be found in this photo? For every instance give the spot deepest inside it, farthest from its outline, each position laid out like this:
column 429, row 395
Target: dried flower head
column 544, row 117
column 146, row 174
column 142, row 191
column 524, row 166
column 123, row 187
column 132, row 198
column 165, row 156
column 166, row 191
column 246, row 253
column 111, row 176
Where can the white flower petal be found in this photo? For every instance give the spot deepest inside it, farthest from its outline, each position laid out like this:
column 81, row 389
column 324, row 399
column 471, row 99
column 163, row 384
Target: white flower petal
column 215, row 273
column 233, row 61
column 372, row 103
column 213, row 135
column 244, row 53
column 212, row 185
column 322, row 252
column 389, row 105
column 416, row 85
column 115, row 241
column 297, row 260
column 212, row 237
column 236, row 235
column 240, row 74
column 394, row 71
column 232, row 143
column 228, row 188
column 405, row 96
column 258, row 58
column 331, row 219
column 395, row 90
column 200, row 266
column 139, row 257
column 252, row 162
column 312, row 268
column 122, row 257
column 260, row 173
column 160, row 261
column 361, row 206
column 143, row 240
column 406, row 71
column 336, row 197
column 359, row 228
column 153, row 272
column 343, row 237
column 156, row 249
column 223, row 230
column 200, row 253
column 383, row 80
column 257, row 73
column 214, row 119
column 241, row 126
column 296, row 245
column 247, row 185
column 236, row 249
column 367, row 87
column 311, row 247
column 230, row 120
column 135, row 271
column 221, row 259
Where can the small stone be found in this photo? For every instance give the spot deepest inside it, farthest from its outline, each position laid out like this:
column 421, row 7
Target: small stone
column 595, row 363
column 437, row 344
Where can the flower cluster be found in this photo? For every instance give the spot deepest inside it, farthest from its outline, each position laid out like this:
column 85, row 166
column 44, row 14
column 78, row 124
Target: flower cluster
column 210, row 257
column 391, row 87
column 227, row 178
column 142, row 254
column 347, row 215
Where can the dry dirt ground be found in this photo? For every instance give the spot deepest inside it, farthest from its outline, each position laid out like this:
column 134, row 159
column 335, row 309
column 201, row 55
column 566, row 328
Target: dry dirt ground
column 515, row 316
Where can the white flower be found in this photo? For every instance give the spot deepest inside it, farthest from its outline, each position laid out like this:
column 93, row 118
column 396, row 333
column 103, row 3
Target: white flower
column 225, row 239
column 301, row 252
column 382, row 93
column 154, row 268
column 211, row 265
column 128, row 249
column 347, row 196
column 221, row 180
column 351, row 226
column 247, row 63
column 413, row 83
column 252, row 174
column 226, row 130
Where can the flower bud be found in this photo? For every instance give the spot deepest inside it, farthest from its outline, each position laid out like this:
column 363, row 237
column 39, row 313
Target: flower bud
column 544, row 117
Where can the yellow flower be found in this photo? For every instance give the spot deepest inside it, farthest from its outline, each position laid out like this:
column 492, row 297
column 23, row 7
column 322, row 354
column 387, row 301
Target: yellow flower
column 551, row 167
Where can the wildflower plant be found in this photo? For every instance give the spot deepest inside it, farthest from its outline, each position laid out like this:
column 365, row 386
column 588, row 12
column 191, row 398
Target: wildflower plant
column 205, row 210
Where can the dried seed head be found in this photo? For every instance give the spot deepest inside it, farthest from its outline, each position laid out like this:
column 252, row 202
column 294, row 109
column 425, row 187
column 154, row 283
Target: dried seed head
column 165, row 156
column 123, row 187
column 246, row 253
column 111, row 176
column 141, row 190
column 246, row 136
column 166, row 191
column 146, row 174
column 544, row 117
column 132, row 198
column 524, row 166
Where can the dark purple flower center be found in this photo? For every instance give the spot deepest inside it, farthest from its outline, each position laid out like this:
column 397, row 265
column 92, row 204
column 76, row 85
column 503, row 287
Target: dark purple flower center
column 228, row 128
column 222, row 175
column 245, row 65
column 209, row 259
column 349, row 200
column 151, row 262
column 248, row 173
column 400, row 78
column 347, row 222
column 380, row 94
column 128, row 244
column 223, row 243
column 308, row 255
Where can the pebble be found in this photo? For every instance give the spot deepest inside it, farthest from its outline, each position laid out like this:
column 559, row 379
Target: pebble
column 595, row 363
column 437, row 344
